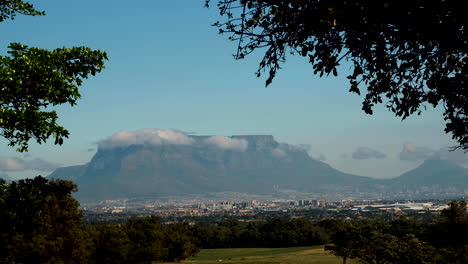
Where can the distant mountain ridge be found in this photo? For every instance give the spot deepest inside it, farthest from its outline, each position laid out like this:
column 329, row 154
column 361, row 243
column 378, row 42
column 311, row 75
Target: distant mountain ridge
column 254, row 164
column 435, row 171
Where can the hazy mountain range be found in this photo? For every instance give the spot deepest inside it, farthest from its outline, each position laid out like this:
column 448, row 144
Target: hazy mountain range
column 201, row 165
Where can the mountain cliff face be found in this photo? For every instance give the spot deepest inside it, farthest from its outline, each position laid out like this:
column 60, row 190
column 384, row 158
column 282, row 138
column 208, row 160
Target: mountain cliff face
column 247, row 164
column 200, row 165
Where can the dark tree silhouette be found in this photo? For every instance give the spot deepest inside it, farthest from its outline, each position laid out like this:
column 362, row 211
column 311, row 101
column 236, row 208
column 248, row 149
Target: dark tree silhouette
column 41, row 223
column 344, row 243
column 407, row 54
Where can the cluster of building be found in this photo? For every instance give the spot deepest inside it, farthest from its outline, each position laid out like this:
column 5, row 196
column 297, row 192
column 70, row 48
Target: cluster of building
column 206, row 208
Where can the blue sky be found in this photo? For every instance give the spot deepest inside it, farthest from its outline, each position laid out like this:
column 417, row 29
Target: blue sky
column 169, row 69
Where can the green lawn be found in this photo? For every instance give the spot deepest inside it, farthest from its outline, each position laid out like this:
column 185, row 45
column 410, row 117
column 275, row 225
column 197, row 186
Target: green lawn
column 294, row 255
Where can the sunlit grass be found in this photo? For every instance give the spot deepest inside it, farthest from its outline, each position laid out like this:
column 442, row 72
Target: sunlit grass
column 293, row 255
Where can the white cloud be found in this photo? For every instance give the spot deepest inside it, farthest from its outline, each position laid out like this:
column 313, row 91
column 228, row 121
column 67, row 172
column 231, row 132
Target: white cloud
column 17, row 164
column 227, row 143
column 457, row 156
column 168, row 136
column 362, row 153
column 321, row 157
column 39, row 165
column 146, row 137
column 279, row 153
column 10, row 164
column 305, row 147
column 411, row 152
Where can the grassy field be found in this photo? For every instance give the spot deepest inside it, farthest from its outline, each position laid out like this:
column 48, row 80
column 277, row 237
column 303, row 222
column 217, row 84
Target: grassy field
column 294, row 255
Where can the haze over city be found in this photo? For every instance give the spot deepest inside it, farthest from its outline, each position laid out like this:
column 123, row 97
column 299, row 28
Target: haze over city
column 168, row 70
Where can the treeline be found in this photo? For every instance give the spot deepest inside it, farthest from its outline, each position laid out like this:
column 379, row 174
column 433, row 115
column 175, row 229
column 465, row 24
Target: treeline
column 142, row 240
column 276, row 232
column 40, row 222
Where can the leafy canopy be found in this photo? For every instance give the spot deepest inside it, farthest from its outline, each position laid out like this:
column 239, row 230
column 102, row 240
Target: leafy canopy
column 369, row 245
column 40, row 222
column 406, row 54
column 32, row 80
column 9, row 9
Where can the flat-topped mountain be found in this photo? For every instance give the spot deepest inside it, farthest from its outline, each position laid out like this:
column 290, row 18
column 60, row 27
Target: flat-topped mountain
column 202, row 164
column 162, row 163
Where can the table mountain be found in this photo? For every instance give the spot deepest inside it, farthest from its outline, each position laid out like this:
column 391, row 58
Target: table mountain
column 247, row 164
column 200, row 165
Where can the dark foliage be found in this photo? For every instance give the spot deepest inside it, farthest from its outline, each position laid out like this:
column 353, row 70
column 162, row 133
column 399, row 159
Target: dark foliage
column 403, row 240
column 40, row 223
column 407, row 54
column 142, row 240
column 272, row 233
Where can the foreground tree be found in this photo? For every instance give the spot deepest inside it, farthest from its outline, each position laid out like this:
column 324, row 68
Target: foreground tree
column 406, row 54
column 451, row 235
column 369, row 245
column 33, row 79
column 410, row 249
column 41, row 223
column 456, row 213
column 346, row 243
column 180, row 241
column 146, row 236
column 111, row 244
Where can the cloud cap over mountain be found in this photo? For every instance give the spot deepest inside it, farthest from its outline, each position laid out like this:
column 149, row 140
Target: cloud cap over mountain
column 458, row 156
column 411, row 152
column 227, row 142
column 146, row 136
column 154, row 136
